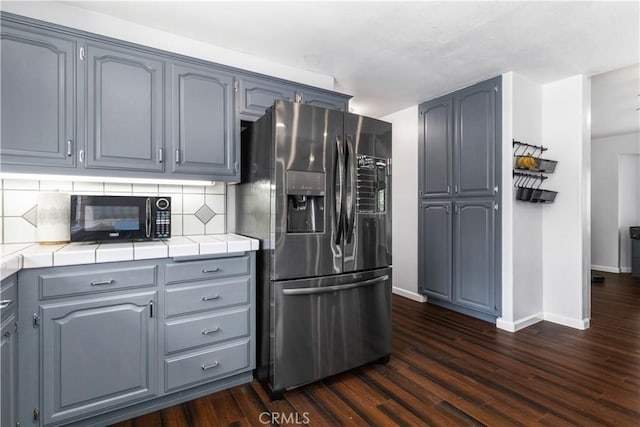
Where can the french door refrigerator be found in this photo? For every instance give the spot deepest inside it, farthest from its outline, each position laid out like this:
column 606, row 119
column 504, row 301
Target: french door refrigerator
column 316, row 191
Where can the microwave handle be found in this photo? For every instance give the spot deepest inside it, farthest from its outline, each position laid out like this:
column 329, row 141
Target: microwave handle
column 148, row 219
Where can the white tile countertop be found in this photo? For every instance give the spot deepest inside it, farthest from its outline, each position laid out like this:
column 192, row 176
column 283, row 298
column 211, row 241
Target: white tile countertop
column 15, row 257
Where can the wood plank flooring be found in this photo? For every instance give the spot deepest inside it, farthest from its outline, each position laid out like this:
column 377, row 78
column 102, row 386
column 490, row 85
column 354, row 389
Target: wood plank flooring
column 451, row 370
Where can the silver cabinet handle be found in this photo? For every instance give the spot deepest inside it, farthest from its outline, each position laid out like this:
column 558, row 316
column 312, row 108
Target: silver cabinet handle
column 336, row 288
column 69, row 143
column 160, row 155
column 81, row 156
column 209, row 366
column 5, row 303
column 210, row 298
column 211, row 270
column 178, row 156
column 210, row 331
column 102, row 282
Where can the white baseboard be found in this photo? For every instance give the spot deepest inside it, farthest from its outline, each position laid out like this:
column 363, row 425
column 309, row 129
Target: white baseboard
column 518, row 324
column 605, row 268
column 625, row 269
column 409, row 294
column 581, row 324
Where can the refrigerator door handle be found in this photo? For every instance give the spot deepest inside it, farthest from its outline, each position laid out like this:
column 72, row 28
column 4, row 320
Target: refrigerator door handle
column 339, row 178
column 351, row 196
column 336, row 288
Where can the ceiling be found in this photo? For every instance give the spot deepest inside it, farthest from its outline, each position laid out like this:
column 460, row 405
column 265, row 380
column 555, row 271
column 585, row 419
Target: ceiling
column 393, row 55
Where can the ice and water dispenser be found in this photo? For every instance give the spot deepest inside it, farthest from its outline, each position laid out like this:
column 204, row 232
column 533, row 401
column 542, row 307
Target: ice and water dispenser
column 305, row 201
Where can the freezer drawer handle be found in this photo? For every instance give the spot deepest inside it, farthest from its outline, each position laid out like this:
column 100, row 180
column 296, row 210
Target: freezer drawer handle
column 211, row 270
column 209, row 366
column 210, row 331
column 5, row 303
column 327, row 289
column 210, row 298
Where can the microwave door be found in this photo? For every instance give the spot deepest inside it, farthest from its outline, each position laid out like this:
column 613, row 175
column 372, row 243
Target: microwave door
column 104, row 218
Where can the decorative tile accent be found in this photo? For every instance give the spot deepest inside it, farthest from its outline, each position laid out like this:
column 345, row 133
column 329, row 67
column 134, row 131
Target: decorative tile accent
column 205, row 214
column 32, row 216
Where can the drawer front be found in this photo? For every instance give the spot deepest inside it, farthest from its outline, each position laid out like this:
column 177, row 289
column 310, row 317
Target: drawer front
column 98, row 280
column 203, row 366
column 206, row 296
column 206, row 330
column 207, row 269
column 8, row 296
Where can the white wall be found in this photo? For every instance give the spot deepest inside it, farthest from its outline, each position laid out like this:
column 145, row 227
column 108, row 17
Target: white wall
column 629, row 205
column 527, row 217
column 68, row 15
column 606, row 154
column 405, row 202
column 566, row 223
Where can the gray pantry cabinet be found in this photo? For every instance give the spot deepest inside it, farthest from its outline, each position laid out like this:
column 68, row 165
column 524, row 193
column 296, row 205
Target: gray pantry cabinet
column 9, row 352
column 203, row 130
column 107, row 342
column 459, row 172
column 124, row 107
column 38, row 98
column 83, row 104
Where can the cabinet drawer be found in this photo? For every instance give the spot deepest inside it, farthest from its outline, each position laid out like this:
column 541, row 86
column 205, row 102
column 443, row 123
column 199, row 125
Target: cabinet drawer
column 184, row 334
column 207, row 269
column 206, row 365
column 206, row 296
column 8, row 296
column 98, row 280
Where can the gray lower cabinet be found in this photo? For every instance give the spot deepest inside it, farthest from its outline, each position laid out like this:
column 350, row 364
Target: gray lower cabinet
column 9, row 352
column 204, row 136
column 435, row 231
column 124, row 107
column 474, row 277
column 38, row 99
column 97, row 354
column 107, row 342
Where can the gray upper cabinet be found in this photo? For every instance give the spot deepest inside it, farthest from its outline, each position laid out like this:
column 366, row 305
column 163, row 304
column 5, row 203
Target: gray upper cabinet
column 203, row 129
column 436, row 148
column 474, row 270
column 38, row 99
column 97, row 354
column 256, row 94
column 475, row 139
column 435, row 249
column 124, row 109
column 331, row 101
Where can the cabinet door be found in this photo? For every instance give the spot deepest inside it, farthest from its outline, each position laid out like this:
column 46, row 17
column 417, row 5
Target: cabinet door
column 434, row 253
column 477, row 138
column 9, row 372
column 435, row 149
column 474, row 255
column 202, row 121
column 38, row 94
column 324, row 100
column 124, row 109
column 256, row 95
column 97, row 354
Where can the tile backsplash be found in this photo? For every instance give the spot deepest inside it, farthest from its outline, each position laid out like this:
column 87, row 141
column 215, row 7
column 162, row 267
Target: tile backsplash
column 196, row 209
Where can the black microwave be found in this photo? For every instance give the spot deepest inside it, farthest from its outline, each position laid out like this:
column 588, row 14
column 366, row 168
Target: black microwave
column 105, row 218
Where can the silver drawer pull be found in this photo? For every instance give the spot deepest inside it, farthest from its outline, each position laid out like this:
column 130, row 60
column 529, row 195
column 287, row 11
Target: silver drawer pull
column 212, row 270
column 209, row 366
column 210, row 331
column 210, row 298
column 5, row 303
column 103, row 282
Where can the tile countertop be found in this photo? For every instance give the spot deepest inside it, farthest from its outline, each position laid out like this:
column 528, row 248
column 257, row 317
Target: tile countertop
column 14, row 257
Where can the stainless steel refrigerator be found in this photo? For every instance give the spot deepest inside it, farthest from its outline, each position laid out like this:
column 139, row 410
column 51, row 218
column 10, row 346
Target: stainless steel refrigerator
column 316, row 191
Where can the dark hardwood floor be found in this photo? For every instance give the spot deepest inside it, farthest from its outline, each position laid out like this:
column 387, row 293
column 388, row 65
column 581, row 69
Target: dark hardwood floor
column 449, row 369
